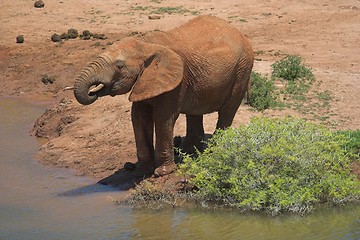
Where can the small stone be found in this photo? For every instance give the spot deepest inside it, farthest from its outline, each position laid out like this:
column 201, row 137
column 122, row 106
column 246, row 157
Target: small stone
column 73, row 33
column 99, row 36
column 55, row 38
column 20, row 39
column 154, row 17
column 45, row 79
column 39, row 4
column 86, row 33
column 64, row 36
column 85, row 37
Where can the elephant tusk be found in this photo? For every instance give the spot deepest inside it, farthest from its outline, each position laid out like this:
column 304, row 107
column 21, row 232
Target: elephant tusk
column 97, row 88
column 68, row 88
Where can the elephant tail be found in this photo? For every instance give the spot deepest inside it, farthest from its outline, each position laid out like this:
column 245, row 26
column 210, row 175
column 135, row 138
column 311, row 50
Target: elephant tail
column 248, row 91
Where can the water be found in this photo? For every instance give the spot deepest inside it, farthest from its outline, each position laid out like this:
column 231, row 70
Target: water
column 38, row 202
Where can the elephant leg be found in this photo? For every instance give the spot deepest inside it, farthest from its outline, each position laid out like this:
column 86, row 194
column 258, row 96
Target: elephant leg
column 194, row 134
column 164, row 147
column 229, row 109
column 143, row 124
column 226, row 117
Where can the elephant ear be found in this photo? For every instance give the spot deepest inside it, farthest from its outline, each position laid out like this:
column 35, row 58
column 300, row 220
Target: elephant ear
column 162, row 72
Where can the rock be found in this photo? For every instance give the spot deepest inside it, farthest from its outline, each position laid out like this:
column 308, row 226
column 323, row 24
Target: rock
column 39, row 4
column 86, row 35
column 154, row 17
column 64, row 36
column 47, row 80
column 73, row 33
column 20, row 39
column 56, row 38
column 99, row 36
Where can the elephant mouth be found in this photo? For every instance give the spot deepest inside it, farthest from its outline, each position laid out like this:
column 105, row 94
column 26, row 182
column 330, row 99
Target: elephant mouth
column 120, row 87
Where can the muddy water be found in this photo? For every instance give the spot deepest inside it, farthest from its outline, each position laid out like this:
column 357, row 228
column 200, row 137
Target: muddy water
column 38, row 202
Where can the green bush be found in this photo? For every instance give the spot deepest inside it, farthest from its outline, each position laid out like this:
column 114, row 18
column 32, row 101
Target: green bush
column 275, row 165
column 299, row 77
column 352, row 145
column 291, row 68
column 262, row 92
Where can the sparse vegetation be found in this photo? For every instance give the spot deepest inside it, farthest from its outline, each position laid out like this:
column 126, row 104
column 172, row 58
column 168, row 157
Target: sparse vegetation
column 324, row 97
column 140, row 8
column 294, row 76
column 291, row 86
column 237, row 19
column 173, row 10
column 274, row 165
column 164, row 10
column 97, row 44
column 149, row 195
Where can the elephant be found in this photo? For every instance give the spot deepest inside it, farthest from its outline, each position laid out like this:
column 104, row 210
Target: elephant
column 200, row 67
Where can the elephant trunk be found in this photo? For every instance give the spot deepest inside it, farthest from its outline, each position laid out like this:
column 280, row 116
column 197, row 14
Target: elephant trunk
column 81, row 91
column 89, row 78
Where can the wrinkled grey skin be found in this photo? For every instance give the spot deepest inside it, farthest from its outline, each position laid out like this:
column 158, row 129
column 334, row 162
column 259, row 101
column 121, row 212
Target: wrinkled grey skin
column 200, row 67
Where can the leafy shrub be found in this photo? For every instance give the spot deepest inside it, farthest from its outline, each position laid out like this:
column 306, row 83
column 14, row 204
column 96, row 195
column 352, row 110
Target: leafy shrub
column 291, row 68
column 274, row 165
column 352, row 145
column 299, row 77
column 262, row 94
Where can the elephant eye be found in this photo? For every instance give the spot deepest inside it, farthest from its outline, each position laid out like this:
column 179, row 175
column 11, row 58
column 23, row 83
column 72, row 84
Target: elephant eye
column 119, row 64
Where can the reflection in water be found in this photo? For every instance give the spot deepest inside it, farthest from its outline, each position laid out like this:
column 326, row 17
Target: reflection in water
column 199, row 224
column 38, row 202
column 88, row 189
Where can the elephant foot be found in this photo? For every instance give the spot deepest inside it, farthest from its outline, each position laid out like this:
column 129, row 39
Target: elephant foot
column 165, row 169
column 191, row 145
column 127, row 175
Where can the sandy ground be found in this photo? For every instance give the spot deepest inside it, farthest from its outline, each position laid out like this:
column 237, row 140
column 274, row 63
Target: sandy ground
column 96, row 140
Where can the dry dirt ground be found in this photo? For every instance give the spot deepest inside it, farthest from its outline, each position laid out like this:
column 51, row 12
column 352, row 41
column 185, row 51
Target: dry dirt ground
column 96, row 140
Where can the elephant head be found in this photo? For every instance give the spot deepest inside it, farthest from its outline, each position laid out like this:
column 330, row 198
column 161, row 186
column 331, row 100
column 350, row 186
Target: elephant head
column 147, row 70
